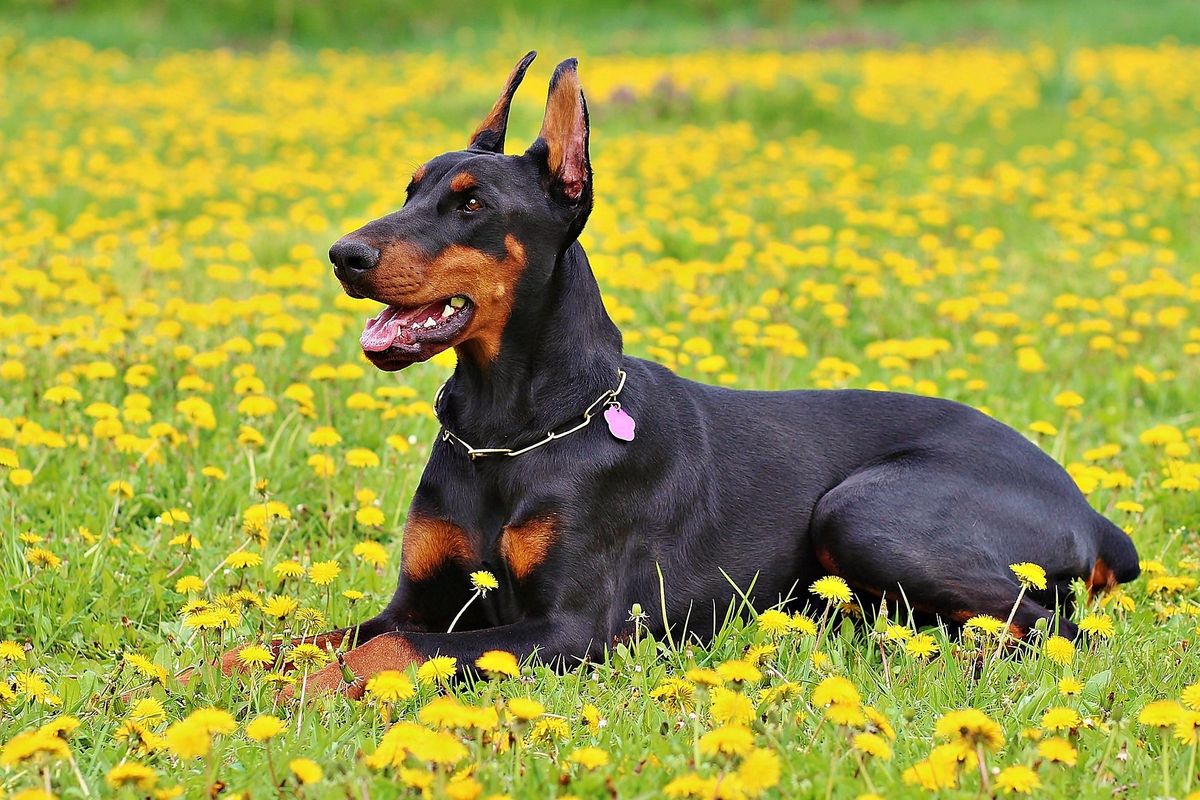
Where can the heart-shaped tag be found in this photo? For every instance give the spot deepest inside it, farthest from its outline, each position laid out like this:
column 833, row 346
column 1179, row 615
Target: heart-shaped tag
column 620, row 424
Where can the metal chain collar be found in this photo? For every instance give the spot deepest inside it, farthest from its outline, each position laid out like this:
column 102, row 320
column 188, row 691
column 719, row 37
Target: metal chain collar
column 609, row 398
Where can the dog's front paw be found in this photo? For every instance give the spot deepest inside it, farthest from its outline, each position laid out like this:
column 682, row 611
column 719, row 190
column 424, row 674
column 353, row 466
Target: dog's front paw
column 349, row 673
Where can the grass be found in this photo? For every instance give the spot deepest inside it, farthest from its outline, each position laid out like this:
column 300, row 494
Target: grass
column 1008, row 223
column 606, row 26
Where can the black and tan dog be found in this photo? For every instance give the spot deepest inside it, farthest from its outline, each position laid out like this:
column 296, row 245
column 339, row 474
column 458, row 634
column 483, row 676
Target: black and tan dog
column 540, row 476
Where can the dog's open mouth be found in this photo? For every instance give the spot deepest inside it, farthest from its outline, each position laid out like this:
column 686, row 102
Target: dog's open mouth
column 401, row 335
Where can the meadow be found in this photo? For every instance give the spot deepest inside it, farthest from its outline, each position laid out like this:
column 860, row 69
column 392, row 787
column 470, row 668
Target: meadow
column 194, row 454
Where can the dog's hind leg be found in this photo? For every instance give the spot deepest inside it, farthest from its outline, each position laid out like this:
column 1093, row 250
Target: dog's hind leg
column 929, row 538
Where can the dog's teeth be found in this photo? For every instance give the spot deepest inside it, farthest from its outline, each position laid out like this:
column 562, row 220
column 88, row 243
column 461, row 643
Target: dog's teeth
column 429, row 323
column 447, row 311
column 415, row 325
column 458, row 302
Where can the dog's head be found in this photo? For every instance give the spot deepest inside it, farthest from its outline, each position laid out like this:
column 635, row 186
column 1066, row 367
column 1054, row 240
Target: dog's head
column 478, row 231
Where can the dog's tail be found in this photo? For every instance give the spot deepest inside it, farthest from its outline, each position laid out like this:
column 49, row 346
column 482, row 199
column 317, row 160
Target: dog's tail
column 1117, row 561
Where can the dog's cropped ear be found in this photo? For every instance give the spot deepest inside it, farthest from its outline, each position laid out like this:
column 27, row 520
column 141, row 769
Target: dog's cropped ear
column 563, row 142
column 489, row 135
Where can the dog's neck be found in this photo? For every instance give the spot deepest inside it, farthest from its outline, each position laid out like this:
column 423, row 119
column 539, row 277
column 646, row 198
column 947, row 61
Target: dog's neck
column 559, row 352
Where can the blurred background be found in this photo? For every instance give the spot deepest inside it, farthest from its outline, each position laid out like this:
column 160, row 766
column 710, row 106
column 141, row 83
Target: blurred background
column 600, row 25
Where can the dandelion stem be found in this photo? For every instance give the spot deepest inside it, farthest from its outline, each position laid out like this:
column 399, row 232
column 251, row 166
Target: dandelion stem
column 458, row 616
column 1008, row 623
column 862, row 769
column 1191, row 771
column 271, row 766
column 1166, row 761
column 88, row 792
column 303, row 689
column 984, row 785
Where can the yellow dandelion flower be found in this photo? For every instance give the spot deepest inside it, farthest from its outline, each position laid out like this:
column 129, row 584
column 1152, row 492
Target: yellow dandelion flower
column 1017, row 779
column 525, row 709
column 1160, row 714
column 498, row 663
column 279, row 606
column 255, row 655
column 306, row 770
column 589, row 757
column 189, row 584
column 323, row 573
column 1030, row 575
column 831, row 589
column 730, row 707
column 922, row 645
column 361, row 458
column 11, row 651
column 1069, row 686
column 835, row 689
column 1060, row 718
column 1190, row 696
column 437, row 670
column 307, row 656
column 1097, row 625
column 148, row 709
column 774, row 622
column 484, row 581
column 264, row 727
column 759, row 771
column 1058, row 750
column 873, row 745
column 983, row 623
column 702, row 676
column 970, row 726
column 242, row 559
column 728, row 739
column 1187, row 727
column 132, row 774
column 390, row 686
column 739, row 671
column 1059, row 649
column 369, row 517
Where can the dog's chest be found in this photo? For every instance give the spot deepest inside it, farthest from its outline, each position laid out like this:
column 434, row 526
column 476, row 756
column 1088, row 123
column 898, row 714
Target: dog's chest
column 435, row 543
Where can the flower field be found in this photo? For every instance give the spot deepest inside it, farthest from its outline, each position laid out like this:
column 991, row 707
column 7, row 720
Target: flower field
column 194, row 454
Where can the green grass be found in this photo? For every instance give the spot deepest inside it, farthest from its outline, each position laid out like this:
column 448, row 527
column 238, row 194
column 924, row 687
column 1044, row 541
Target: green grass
column 172, row 206
column 605, row 26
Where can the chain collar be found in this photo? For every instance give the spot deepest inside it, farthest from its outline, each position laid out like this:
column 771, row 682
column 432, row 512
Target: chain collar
column 608, row 400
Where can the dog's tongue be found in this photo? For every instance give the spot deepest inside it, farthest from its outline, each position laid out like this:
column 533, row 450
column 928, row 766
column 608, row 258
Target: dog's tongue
column 393, row 327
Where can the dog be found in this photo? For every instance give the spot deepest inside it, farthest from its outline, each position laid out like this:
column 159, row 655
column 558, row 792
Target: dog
column 589, row 481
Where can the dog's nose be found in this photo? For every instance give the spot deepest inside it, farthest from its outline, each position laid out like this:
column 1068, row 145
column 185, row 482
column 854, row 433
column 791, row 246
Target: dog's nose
column 351, row 258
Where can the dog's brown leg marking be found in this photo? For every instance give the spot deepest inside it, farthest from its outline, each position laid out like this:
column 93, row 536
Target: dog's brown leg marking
column 525, row 546
column 1102, row 579
column 389, row 651
column 230, row 663
column 429, row 543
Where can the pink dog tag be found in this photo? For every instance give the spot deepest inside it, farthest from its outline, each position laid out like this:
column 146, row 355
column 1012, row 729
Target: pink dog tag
column 620, row 424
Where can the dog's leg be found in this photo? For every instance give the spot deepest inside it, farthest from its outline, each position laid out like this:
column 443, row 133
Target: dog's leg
column 561, row 638
column 934, row 538
column 338, row 639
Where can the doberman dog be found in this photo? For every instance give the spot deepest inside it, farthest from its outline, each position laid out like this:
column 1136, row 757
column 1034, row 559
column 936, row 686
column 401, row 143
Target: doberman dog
column 581, row 477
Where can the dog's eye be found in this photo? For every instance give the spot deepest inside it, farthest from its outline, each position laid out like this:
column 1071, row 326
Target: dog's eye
column 471, row 205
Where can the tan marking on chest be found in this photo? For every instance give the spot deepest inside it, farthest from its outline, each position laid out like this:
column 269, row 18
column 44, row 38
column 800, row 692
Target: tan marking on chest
column 525, row 546
column 429, row 543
